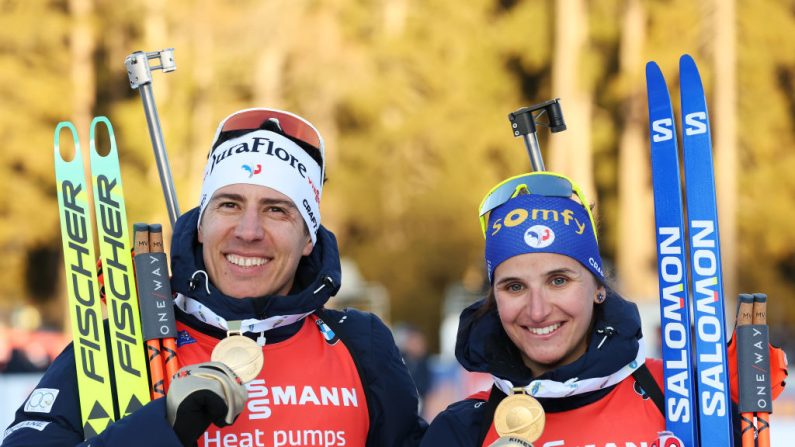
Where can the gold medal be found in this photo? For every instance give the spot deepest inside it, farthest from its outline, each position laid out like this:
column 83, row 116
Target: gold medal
column 241, row 354
column 519, row 416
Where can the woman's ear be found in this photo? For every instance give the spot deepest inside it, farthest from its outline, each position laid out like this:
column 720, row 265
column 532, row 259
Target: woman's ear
column 601, row 295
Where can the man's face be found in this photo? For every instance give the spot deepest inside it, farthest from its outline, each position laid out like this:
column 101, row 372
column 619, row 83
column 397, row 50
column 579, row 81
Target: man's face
column 253, row 238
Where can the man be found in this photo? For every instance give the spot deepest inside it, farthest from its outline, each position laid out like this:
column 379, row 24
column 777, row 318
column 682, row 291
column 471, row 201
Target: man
column 252, row 266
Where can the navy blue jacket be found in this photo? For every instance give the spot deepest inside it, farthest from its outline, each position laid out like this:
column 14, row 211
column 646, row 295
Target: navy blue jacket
column 483, row 346
column 392, row 400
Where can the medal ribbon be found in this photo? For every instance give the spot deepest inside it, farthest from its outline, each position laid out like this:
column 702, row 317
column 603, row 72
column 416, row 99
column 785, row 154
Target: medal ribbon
column 192, row 307
column 551, row 388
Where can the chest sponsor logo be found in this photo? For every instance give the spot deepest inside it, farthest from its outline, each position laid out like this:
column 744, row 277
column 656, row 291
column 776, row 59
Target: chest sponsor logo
column 281, row 438
column 263, row 398
column 41, row 400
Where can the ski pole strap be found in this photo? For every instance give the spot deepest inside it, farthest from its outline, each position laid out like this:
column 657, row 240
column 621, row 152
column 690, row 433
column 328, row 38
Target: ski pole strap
column 646, row 381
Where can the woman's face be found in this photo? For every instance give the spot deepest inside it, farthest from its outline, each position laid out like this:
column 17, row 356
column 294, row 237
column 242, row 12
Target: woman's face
column 545, row 302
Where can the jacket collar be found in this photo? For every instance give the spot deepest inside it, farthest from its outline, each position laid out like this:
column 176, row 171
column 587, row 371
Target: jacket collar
column 483, row 345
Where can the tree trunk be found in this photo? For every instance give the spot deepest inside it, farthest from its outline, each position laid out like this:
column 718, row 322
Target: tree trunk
column 570, row 151
column 82, row 44
column 203, row 118
column 724, row 117
column 635, row 252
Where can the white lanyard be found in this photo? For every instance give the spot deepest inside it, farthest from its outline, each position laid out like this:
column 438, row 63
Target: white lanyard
column 573, row 386
column 192, row 307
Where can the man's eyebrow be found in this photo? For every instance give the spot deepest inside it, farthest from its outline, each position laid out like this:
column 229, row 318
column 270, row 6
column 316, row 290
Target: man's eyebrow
column 279, row 202
column 266, row 201
column 227, row 196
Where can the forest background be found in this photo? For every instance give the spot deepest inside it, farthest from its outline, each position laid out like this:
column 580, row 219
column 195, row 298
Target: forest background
column 412, row 98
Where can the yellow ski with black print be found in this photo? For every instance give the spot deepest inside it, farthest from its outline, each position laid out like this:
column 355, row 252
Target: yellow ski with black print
column 115, row 250
column 88, row 333
column 129, row 378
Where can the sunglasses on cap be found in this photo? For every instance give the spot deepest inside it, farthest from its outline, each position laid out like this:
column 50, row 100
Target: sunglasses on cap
column 291, row 125
column 542, row 183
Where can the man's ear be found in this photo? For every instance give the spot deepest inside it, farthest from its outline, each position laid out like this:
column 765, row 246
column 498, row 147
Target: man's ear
column 199, row 234
column 308, row 247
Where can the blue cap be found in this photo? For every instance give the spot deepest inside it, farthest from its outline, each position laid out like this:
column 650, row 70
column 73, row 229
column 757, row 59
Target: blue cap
column 533, row 223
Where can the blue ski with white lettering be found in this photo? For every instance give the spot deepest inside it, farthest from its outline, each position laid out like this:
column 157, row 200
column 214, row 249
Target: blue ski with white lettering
column 680, row 403
column 709, row 313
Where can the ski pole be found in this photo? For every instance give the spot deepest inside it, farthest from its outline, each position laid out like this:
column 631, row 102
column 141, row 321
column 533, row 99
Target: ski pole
column 156, row 379
column 744, row 318
column 140, row 74
column 523, row 123
column 157, row 308
column 169, row 344
column 763, row 417
column 753, row 368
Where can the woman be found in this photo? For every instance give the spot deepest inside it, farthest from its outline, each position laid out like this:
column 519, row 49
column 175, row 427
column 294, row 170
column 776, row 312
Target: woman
column 551, row 328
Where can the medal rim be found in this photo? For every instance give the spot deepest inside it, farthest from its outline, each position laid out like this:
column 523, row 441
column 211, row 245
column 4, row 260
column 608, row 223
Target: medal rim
column 231, row 342
column 535, row 429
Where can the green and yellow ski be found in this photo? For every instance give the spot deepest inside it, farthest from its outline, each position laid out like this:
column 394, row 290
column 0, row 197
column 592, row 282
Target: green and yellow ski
column 115, row 250
column 130, row 377
column 88, row 333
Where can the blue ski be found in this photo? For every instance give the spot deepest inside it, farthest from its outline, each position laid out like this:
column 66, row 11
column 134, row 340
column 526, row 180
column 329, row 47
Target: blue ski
column 680, row 413
column 702, row 216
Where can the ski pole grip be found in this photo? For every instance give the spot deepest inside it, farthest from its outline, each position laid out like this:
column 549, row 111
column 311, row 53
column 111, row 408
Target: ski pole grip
column 753, row 365
column 745, row 309
column 154, row 288
column 753, row 358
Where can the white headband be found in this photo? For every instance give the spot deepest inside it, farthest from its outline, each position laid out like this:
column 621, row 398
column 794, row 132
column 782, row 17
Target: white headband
column 269, row 159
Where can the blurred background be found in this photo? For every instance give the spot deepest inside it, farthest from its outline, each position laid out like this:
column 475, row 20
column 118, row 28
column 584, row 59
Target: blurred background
column 412, row 98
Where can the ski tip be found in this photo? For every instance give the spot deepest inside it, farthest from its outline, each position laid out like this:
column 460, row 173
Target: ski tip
column 100, row 119
column 652, row 67
column 57, row 142
column 686, row 61
column 155, row 228
column 92, row 133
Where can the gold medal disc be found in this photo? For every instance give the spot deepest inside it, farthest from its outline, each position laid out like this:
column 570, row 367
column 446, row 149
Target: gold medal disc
column 241, row 354
column 519, row 416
